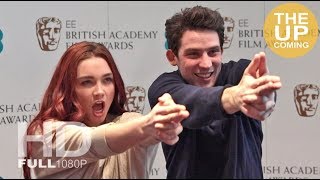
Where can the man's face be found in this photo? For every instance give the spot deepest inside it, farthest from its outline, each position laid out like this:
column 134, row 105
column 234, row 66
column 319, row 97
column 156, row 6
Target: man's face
column 199, row 57
column 228, row 33
column 51, row 35
column 136, row 100
column 309, row 101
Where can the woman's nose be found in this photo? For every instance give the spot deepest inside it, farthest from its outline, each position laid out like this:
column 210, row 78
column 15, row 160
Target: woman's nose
column 98, row 90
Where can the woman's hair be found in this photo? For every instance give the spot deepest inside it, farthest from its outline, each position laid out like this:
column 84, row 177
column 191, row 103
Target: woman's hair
column 60, row 101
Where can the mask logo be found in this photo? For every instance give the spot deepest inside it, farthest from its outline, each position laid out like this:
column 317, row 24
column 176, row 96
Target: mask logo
column 48, row 33
column 306, row 99
column 228, row 32
column 135, row 99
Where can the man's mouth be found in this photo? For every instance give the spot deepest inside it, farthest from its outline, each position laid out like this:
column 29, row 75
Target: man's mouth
column 204, row 75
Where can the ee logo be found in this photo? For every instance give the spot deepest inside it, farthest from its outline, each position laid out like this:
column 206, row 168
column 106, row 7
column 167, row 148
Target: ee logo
column 290, row 30
column 1, row 45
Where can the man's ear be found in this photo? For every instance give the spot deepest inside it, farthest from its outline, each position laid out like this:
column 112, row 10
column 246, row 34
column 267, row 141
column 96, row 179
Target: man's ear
column 171, row 57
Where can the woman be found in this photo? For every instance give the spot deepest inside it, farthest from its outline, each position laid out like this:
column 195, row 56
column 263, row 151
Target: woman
column 85, row 129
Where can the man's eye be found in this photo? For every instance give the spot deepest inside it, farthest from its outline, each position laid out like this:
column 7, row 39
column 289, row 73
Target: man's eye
column 193, row 55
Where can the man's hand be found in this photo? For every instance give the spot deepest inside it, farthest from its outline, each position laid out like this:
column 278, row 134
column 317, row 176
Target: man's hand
column 255, row 93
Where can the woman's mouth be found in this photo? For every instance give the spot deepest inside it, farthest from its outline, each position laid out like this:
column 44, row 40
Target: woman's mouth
column 98, row 108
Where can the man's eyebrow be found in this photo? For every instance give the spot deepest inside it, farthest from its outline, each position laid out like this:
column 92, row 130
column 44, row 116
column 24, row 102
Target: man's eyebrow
column 215, row 48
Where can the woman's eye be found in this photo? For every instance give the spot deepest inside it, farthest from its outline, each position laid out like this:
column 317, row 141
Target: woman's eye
column 108, row 80
column 86, row 83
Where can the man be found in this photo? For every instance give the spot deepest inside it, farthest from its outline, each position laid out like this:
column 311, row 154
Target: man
column 306, row 98
column 222, row 136
column 48, row 33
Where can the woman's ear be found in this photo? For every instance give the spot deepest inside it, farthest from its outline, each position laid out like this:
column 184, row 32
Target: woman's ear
column 171, row 57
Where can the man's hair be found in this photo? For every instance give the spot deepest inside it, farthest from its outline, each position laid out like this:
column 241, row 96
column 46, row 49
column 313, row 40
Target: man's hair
column 197, row 18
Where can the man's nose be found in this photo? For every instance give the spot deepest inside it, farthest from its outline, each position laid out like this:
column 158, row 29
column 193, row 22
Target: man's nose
column 205, row 61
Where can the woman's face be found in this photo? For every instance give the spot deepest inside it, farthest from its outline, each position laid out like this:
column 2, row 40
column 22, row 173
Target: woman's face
column 95, row 89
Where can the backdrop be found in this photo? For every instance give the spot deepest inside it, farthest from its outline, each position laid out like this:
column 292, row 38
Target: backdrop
column 134, row 33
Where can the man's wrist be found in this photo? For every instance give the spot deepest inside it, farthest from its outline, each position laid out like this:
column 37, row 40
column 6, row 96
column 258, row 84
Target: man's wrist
column 228, row 101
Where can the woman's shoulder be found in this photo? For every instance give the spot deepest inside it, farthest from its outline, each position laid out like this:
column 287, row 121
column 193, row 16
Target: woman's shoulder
column 131, row 115
column 56, row 122
column 127, row 116
column 71, row 126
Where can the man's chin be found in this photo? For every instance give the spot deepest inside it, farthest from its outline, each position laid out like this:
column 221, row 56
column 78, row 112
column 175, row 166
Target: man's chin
column 205, row 85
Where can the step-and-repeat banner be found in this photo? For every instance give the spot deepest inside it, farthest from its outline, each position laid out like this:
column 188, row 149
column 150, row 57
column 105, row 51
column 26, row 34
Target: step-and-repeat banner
column 134, row 33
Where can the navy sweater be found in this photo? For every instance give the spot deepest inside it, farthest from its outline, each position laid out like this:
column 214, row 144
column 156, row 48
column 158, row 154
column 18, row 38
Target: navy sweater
column 213, row 144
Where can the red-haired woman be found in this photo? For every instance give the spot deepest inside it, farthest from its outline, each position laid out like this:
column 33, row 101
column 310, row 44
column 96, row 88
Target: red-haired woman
column 84, row 129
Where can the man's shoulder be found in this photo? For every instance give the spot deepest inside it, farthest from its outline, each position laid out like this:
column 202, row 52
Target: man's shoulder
column 167, row 76
column 241, row 64
column 163, row 84
column 240, row 61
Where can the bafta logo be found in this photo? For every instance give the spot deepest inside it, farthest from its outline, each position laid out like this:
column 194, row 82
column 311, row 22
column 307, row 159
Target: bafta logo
column 306, row 99
column 135, row 99
column 228, row 31
column 48, row 33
